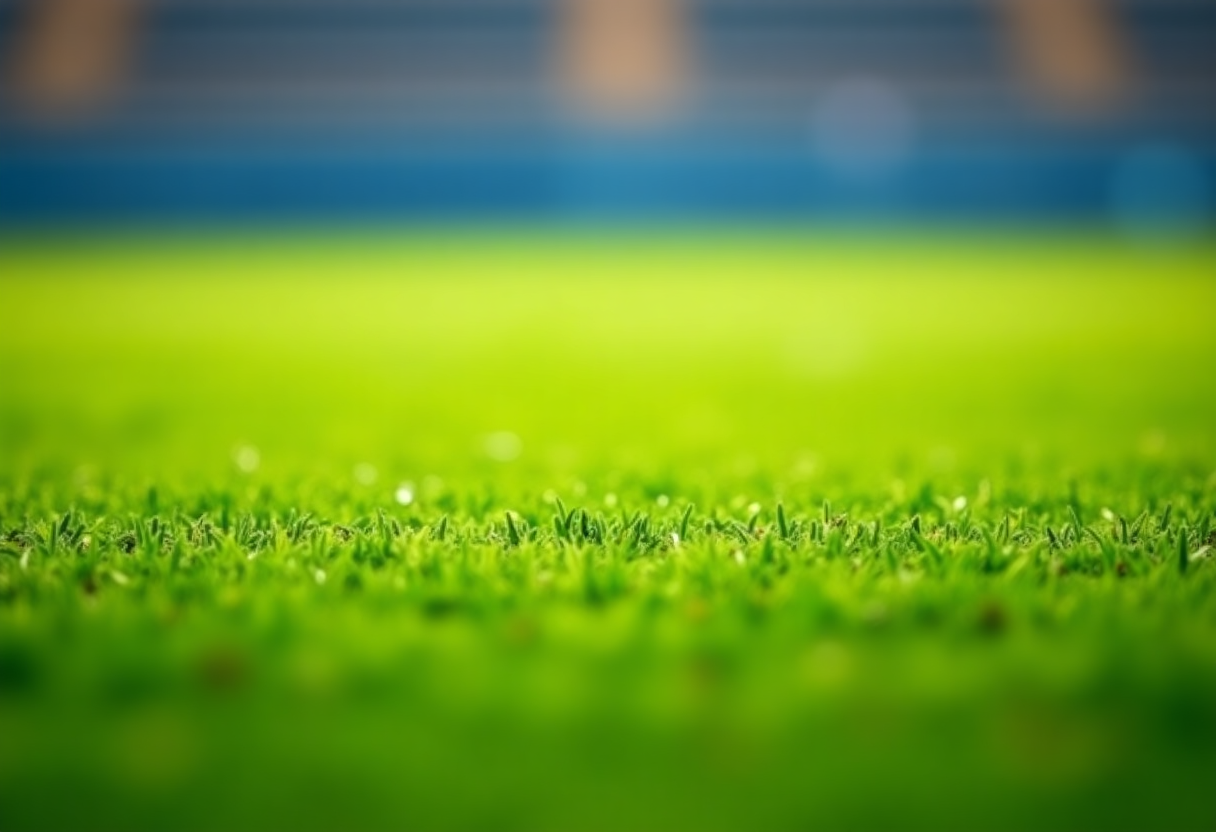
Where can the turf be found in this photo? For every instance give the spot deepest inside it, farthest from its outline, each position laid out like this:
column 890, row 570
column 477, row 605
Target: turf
column 514, row 531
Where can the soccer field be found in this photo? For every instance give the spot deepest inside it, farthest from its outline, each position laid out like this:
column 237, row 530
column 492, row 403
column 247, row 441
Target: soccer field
column 596, row 531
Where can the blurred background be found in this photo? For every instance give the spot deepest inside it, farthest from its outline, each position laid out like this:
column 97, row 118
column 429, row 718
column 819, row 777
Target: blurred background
column 1098, row 111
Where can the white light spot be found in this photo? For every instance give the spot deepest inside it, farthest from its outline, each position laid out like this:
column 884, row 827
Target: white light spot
column 675, row 538
column 863, row 128
column 120, row 578
column 960, row 503
column 1160, row 189
column 503, row 446
column 663, row 501
column 247, row 458
column 319, row 576
column 365, row 473
column 251, row 556
column 405, row 493
column 610, row 500
column 828, row 349
column 1152, row 443
column 550, row 496
column 942, row 458
column 754, row 508
column 1108, row 515
column 740, row 558
column 806, row 466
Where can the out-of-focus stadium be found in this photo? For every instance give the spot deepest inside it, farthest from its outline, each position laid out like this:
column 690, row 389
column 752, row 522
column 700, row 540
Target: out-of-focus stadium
column 960, row 109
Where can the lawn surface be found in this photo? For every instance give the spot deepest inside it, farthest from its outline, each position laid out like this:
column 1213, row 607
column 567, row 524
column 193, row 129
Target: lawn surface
column 597, row 532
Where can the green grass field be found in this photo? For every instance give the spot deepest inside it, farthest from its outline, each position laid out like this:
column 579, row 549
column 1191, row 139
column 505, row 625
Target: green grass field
column 710, row 531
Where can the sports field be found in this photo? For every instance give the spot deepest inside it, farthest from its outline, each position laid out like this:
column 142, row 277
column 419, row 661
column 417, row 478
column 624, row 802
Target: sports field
column 802, row 529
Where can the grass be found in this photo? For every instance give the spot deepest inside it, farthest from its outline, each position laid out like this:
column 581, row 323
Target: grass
column 759, row 531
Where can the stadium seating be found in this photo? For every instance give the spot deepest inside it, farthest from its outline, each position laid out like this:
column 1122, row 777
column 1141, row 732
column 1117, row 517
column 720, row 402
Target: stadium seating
column 823, row 108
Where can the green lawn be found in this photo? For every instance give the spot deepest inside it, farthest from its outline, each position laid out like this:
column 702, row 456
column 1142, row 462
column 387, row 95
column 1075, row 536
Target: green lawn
column 706, row 531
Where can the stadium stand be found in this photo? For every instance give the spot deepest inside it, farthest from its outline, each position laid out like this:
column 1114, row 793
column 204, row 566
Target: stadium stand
column 230, row 109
